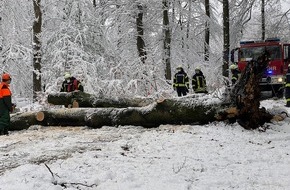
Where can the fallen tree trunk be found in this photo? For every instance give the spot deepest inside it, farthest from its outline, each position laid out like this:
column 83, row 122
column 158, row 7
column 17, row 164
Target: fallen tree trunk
column 169, row 111
column 56, row 117
column 89, row 100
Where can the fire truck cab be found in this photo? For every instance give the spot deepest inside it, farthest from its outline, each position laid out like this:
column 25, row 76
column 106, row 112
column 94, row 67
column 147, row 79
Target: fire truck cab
column 273, row 78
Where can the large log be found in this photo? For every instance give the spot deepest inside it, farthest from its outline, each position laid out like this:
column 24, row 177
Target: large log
column 55, row 117
column 189, row 110
column 168, row 111
column 89, row 100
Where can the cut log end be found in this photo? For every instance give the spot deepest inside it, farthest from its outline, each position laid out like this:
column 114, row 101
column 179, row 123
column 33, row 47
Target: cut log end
column 75, row 104
column 40, row 116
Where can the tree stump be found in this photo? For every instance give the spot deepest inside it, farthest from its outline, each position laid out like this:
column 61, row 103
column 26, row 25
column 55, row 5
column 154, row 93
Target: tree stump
column 246, row 94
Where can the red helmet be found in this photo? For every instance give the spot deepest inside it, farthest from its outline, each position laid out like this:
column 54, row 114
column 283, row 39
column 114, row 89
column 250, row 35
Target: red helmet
column 6, row 76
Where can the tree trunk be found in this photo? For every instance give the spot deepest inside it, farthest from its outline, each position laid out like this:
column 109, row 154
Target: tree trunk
column 186, row 110
column 226, row 30
column 263, row 24
column 169, row 111
column 57, row 117
column 37, row 25
column 88, row 100
column 140, row 34
column 166, row 40
column 207, row 31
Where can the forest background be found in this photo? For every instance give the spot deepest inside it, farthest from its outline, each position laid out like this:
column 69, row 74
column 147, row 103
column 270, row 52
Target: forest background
column 128, row 47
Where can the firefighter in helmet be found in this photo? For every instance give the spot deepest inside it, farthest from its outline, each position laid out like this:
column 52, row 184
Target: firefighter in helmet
column 287, row 87
column 235, row 73
column 6, row 105
column 181, row 82
column 199, row 82
column 71, row 84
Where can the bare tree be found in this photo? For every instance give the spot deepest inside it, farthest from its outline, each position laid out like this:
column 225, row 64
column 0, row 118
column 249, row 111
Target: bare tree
column 140, row 33
column 166, row 40
column 207, row 31
column 263, row 19
column 226, row 31
column 37, row 26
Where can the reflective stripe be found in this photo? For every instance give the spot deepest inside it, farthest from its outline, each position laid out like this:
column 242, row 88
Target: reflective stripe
column 181, row 80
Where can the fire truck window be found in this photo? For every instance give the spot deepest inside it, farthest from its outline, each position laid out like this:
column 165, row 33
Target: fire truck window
column 286, row 52
column 255, row 52
column 275, row 52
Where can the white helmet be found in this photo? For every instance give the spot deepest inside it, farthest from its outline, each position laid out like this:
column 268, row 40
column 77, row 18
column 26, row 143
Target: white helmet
column 67, row 75
column 233, row 67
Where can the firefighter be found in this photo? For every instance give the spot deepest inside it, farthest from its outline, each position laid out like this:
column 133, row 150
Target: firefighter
column 287, row 87
column 235, row 73
column 199, row 82
column 71, row 84
column 181, row 82
column 6, row 105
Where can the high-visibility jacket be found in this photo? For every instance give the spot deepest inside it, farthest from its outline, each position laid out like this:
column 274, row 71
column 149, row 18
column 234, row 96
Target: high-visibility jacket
column 181, row 80
column 236, row 74
column 287, row 89
column 199, row 83
column 5, row 98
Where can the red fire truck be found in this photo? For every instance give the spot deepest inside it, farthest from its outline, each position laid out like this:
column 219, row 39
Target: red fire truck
column 273, row 78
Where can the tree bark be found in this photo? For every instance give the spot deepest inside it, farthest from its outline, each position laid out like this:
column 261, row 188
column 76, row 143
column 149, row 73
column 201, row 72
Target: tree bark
column 140, row 34
column 226, row 30
column 187, row 110
column 207, row 30
column 88, row 100
column 169, row 111
column 37, row 26
column 166, row 40
column 263, row 23
column 57, row 117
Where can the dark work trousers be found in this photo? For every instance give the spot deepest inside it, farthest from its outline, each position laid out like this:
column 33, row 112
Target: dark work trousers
column 182, row 90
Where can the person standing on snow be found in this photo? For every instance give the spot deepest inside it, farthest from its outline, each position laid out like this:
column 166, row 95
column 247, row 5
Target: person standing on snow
column 71, row 84
column 199, row 82
column 181, row 82
column 287, row 87
column 6, row 105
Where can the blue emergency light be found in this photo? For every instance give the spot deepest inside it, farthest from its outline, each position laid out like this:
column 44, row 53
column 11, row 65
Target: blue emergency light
column 269, row 72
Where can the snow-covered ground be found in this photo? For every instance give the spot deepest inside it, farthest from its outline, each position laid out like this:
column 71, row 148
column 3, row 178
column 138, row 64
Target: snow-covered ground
column 182, row 157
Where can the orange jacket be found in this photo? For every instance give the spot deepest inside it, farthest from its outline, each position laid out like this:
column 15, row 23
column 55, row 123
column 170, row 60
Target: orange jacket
column 5, row 97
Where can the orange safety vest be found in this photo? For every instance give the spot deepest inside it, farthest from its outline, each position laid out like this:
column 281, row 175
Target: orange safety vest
column 4, row 90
